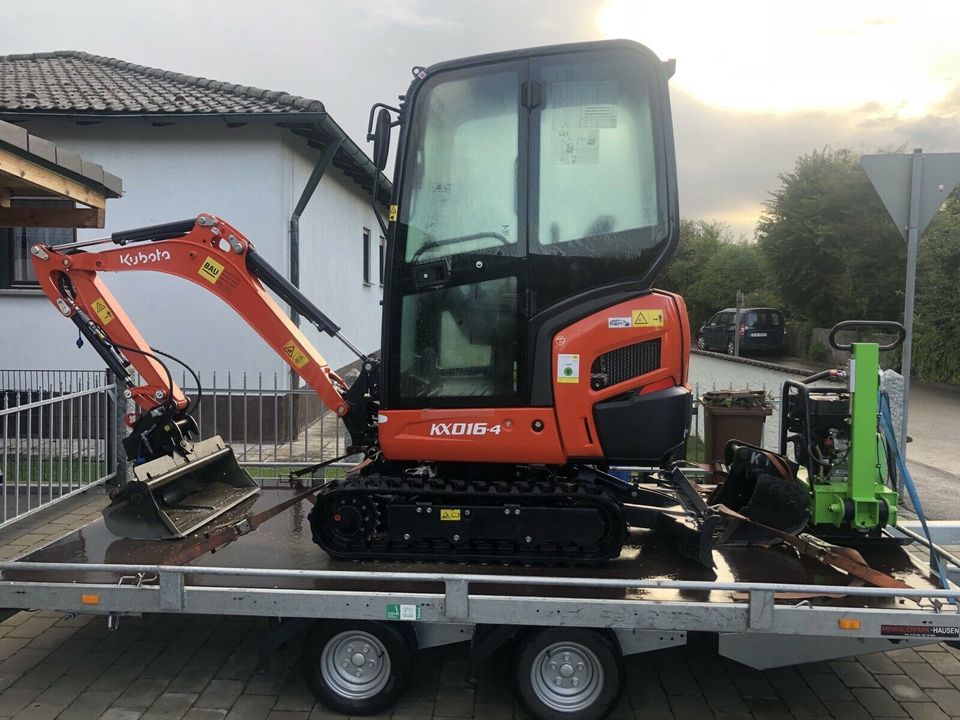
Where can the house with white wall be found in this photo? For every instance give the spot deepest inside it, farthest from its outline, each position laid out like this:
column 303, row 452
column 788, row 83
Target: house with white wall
column 185, row 145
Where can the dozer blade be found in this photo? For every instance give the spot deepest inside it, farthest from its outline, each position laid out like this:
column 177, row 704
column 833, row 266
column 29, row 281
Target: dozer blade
column 172, row 495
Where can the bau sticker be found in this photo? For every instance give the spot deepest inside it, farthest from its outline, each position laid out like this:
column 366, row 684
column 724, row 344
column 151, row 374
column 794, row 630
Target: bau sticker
column 568, row 368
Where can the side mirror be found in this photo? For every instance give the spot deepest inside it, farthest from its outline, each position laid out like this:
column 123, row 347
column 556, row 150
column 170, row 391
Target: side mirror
column 381, row 138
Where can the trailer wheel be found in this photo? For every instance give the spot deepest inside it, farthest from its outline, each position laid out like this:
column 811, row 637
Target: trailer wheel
column 357, row 668
column 568, row 673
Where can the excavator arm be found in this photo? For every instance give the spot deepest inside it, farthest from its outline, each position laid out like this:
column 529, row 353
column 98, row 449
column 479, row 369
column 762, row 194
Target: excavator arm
column 214, row 255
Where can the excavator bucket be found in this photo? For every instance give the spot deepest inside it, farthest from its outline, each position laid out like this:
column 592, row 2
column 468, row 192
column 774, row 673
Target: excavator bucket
column 762, row 486
column 172, row 496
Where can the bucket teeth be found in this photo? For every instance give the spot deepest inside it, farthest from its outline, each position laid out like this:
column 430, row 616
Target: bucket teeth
column 172, row 496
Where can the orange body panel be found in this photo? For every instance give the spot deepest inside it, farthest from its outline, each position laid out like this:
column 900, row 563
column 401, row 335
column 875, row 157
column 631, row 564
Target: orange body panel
column 463, row 435
column 211, row 255
column 471, row 434
column 605, row 331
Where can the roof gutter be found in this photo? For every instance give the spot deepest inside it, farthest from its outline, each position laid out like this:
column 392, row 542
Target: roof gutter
column 323, row 162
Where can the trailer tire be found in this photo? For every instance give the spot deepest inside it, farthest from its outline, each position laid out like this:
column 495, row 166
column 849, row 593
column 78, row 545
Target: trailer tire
column 335, row 651
column 590, row 666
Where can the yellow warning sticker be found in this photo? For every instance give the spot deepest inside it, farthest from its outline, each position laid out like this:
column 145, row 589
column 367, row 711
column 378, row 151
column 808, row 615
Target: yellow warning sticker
column 210, row 270
column 393, row 213
column 103, row 311
column 652, row 317
column 449, row 513
column 297, row 356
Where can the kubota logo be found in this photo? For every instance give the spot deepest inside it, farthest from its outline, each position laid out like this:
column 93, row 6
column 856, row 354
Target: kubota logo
column 459, row 428
column 141, row 257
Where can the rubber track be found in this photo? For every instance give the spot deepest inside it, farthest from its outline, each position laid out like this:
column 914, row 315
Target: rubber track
column 528, row 494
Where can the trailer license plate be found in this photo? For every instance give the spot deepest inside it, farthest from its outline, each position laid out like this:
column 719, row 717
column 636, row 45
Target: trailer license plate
column 403, row 612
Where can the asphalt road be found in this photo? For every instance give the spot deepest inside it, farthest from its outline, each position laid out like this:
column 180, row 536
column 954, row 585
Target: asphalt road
column 933, row 455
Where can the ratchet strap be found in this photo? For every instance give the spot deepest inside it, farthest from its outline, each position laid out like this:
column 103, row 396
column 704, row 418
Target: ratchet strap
column 215, row 540
column 846, row 559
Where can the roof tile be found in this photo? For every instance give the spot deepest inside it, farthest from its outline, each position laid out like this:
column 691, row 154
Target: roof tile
column 77, row 82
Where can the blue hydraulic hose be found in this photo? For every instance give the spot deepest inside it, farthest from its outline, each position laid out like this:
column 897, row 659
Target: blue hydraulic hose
column 886, row 423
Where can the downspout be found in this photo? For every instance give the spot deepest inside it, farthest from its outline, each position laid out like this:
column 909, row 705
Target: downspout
column 326, row 157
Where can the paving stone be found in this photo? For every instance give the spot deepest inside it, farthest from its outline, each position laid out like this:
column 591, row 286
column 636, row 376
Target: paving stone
column 204, row 714
column 690, row 707
column 89, row 704
column 853, row 674
column 142, row 693
column 454, row 702
column 13, row 700
column 723, row 697
column 269, row 683
column 801, row 701
column 903, row 688
column 239, row 666
column 170, row 706
column 119, row 713
column 295, row 696
column 453, row 674
column 289, row 715
column 879, row 664
column 926, row 676
column 945, row 663
column 53, row 637
column 752, row 683
column 66, row 689
column 842, row 710
column 904, row 655
column 480, row 712
column 925, row 711
column 784, row 676
column 192, row 679
column 26, row 659
column 40, row 711
column 41, row 676
column 252, row 707
column 948, row 700
column 10, row 645
column 32, row 628
column 117, row 677
column 878, row 702
column 220, row 694
column 828, row 686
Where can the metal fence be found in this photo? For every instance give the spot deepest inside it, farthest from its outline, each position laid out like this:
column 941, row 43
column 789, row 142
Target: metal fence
column 55, row 440
column 271, row 428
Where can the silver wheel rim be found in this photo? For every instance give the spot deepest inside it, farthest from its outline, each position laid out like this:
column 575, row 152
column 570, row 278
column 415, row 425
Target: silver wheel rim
column 701, row 343
column 355, row 665
column 567, row 677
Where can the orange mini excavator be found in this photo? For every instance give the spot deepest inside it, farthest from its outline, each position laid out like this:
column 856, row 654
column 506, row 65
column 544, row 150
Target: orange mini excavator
column 523, row 351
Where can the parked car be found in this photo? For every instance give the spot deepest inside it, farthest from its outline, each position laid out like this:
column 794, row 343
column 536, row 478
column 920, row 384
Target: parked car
column 761, row 329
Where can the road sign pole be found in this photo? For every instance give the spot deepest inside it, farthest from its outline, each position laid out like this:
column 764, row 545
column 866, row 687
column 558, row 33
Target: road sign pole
column 913, row 236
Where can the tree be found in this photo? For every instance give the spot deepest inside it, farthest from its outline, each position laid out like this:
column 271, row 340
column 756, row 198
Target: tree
column 936, row 338
column 829, row 245
column 708, row 268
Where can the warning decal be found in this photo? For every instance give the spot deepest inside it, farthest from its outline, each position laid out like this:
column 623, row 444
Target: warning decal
column 210, row 270
column 103, row 311
column 297, row 356
column 930, row 631
column 449, row 513
column 568, row 368
column 652, row 317
column 393, row 213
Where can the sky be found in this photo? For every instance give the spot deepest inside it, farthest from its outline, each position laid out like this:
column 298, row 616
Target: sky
column 758, row 83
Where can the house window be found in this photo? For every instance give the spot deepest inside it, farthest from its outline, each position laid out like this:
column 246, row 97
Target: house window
column 383, row 257
column 366, row 256
column 16, row 270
